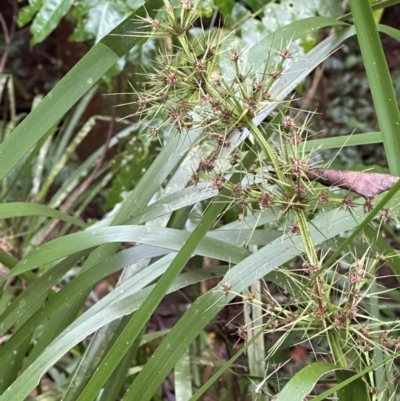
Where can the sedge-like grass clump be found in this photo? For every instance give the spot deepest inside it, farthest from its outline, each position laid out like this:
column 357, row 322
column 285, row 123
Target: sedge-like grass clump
column 329, row 305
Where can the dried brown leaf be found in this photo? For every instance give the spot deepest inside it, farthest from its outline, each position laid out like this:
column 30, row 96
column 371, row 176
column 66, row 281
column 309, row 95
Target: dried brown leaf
column 365, row 184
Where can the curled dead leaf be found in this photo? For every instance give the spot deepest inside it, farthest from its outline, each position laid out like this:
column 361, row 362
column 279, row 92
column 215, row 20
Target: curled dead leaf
column 365, row 184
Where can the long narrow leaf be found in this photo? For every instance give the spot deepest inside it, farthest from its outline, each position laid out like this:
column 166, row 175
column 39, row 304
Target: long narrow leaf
column 70, row 89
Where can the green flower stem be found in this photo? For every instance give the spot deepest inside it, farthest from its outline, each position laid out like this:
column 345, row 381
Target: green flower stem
column 266, row 148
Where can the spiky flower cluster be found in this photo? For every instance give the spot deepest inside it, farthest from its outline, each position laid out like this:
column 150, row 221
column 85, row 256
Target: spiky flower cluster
column 188, row 87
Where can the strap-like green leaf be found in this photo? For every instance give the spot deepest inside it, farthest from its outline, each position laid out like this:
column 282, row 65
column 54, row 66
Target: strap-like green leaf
column 20, row 209
column 71, row 88
column 304, row 381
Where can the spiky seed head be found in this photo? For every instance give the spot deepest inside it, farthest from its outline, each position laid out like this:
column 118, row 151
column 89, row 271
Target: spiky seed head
column 242, row 332
column 194, row 178
column 265, row 200
column 258, row 86
column 155, row 23
column 323, row 198
column 298, row 167
column 312, row 268
column 347, row 203
column 383, row 338
column 237, row 190
column 218, row 181
column 275, row 74
column 207, row 165
column 171, row 79
column 339, row 323
column 235, row 156
column 320, row 311
column 285, row 53
column 358, row 265
column 368, row 205
column 288, row 122
column 223, row 141
column 216, row 105
column 153, row 131
column 386, row 214
column 199, row 65
column 294, row 228
column 379, row 256
column 142, row 102
column 351, row 312
column 252, row 103
column 176, row 114
column 240, row 78
column 266, row 95
column 187, row 5
column 234, row 57
column 226, row 116
column 226, row 288
column 355, row 277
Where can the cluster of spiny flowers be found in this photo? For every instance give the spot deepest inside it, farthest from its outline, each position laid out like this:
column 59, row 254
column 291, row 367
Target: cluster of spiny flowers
column 187, row 87
column 341, row 302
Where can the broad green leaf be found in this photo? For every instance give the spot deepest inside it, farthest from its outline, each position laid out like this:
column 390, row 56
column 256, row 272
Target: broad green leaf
column 301, row 384
column 343, row 384
column 26, row 13
column 48, row 18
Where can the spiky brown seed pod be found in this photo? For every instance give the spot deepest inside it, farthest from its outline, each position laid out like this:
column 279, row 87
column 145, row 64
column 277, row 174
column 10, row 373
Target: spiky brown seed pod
column 199, row 65
column 257, row 86
column 294, row 228
column 368, row 205
column 265, row 200
column 252, row 103
column 187, row 5
column 285, row 53
column 323, row 198
column 275, row 74
column 194, row 178
column 242, row 332
column 223, row 141
column 218, row 181
column 235, row 157
column 226, row 116
column 235, row 57
column 347, row 203
column 386, row 214
column 288, row 122
column 298, row 167
column 226, row 288
column 171, row 79
column 237, row 190
column 240, row 78
column 207, row 165
column 266, row 95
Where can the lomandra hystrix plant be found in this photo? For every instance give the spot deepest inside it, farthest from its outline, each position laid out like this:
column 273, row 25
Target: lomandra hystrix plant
column 301, row 257
column 332, row 307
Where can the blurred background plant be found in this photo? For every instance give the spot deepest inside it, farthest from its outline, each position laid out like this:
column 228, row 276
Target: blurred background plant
column 205, row 150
